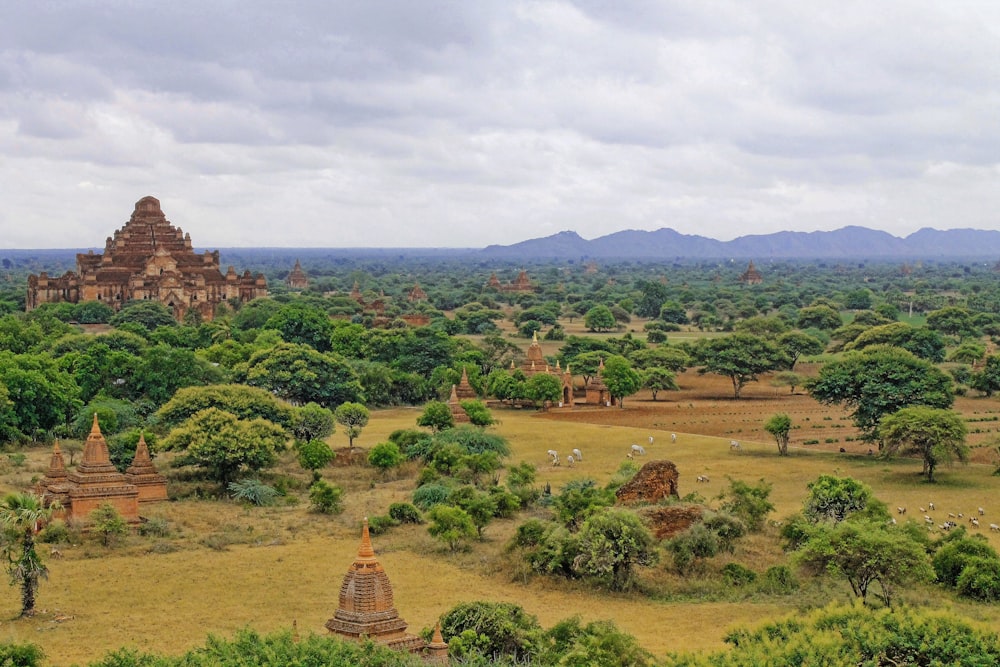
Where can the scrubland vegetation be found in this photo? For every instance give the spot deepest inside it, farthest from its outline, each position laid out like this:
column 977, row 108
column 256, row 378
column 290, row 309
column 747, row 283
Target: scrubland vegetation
column 834, row 429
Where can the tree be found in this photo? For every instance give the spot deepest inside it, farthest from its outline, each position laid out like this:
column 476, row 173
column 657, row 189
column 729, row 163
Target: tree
column 451, row 525
column 599, row 318
column 108, row 523
column 798, row 343
column 312, row 422
column 353, row 417
column 987, row 380
column 226, row 445
column 313, row 455
column 867, row 553
column 673, row 359
column 952, row 321
column 750, row 504
column 821, row 317
column 787, row 379
column 326, row 498
column 654, row 294
column 879, row 381
column 611, row 544
column 303, row 324
column 834, row 499
column 240, row 400
column 40, row 396
column 385, row 455
column 436, row 416
column 478, row 413
column 21, row 515
column 658, row 379
column 780, row 425
column 740, row 357
column 937, row 435
column 620, row 378
column 149, row 314
column 300, row 374
column 542, row 388
column 491, row 629
column 674, row 312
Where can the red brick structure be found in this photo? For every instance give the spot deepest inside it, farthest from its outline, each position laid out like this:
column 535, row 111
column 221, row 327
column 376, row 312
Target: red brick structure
column 597, row 391
column 455, row 405
column 148, row 260
column 520, row 284
column 95, row 482
column 751, row 276
column 416, row 294
column 366, row 609
column 464, row 390
column 152, row 486
column 297, row 278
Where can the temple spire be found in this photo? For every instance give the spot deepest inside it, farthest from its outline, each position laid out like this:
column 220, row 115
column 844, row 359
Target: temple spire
column 366, row 552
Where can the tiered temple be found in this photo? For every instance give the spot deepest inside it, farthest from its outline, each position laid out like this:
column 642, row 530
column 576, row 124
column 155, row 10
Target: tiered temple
column 751, row 276
column 458, row 413
column 534, row 363
column 148, row 260
column 297, row 278
column 366, row 608
column 520, row 284
column 96, row 481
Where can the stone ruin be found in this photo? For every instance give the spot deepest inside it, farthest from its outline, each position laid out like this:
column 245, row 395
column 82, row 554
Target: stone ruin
column 366, row 609
column 655, row 481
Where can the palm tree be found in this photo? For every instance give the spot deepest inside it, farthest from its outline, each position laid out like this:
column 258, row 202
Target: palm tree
column 21, row 515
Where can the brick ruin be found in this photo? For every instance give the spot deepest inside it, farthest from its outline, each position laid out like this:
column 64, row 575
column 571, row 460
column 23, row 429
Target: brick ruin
column 96, row 481
column 148, row 260
column 521, row 284
column 366, row 609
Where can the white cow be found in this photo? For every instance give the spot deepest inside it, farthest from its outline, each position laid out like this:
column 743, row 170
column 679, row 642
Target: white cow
column 578, row 454
column 638, row 450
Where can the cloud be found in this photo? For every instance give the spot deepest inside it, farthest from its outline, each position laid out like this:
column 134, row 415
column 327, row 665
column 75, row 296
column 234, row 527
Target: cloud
column 465, row 124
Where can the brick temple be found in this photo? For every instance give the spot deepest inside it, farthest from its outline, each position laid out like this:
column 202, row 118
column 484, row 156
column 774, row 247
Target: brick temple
column 96, row 481
column 148, row 260
column 366, row 609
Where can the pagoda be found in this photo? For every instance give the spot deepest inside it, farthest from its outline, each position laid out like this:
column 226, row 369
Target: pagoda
column 366, row 609
column 297, row 279
column 458, row 413
column 597, row 391
column 142, row 474
column 416, row 294
column 464, row 390
column 148, row 259
column 95, row 482
column 751, row 276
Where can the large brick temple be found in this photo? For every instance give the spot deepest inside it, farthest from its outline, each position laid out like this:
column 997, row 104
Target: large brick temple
column 151, row 260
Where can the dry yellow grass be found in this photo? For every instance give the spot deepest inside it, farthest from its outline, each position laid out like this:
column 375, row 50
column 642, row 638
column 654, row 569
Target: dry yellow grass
column 291, row 563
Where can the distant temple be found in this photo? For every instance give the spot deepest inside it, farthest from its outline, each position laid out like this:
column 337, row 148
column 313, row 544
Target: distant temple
column 520, row 284
column 96, row 481
column 297, row 278
column 416, row 294
column 148, row 260
column 366, row 609
column 751, row 276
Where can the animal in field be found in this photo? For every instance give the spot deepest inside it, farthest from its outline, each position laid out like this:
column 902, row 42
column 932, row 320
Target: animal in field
column 930, row 506
column 981, row 511
column 901, row 510
column 702, row 478
column 638, row 450
column 974, row 521
column 735, row 446
column 650, row 439
column 578, row 454
column 995, row 528
column 570, row 461
column 553, row 454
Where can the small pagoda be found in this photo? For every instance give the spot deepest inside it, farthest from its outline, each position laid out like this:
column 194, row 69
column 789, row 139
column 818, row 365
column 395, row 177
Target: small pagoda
column 142, row 474
column 366, row 609
column 458, row 413
column 464, row 390
column 597, row 391
column 751, row 276
column 297, row 279
column 416, row 294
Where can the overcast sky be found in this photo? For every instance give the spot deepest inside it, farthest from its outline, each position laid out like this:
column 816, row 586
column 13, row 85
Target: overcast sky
column 415, row 123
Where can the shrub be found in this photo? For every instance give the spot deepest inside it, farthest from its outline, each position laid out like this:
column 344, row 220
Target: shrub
column 314, row 454
column 727, row 529
column 980, row 579
column 253, row 491
column 56, row 532
column 779, row 579
column 695, row 543
column 738, row 575
column 952, row 558
column 405, row 513
column 326, row 498
column 496, row 629
column 429, row 495
column 529, row 533
column 109, row 524
column 154, row 527
column 385, row 455
column 380, row 524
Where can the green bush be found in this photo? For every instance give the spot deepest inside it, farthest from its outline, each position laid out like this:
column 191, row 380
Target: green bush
column 779, row 579
column 109, row 524
column 56, row 532
column 326, row 498
column 980, row 579
column 952, row 558
column 405, row 513
column 738, row 575
column 495, row 629
column 154, row 527
column 429, row 495
column 380, row 524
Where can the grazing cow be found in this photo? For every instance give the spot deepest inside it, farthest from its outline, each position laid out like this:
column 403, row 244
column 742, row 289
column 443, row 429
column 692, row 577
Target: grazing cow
column 555, row 461
column 734, row 445
column 55, row 553
column 553, row 453
column 981, row 511
column 638, row 450
column 901, row 510
column 673, row 437
column 995, row 528
column 975, row 522
column 701, row 478
column 930, row 506
column 570, row 461
column 650, row 439
column 578, row 454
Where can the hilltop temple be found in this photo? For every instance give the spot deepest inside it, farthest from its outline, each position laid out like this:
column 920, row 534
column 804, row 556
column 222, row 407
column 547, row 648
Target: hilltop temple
column 96, row 481
column 148, row 260
column 366, row 609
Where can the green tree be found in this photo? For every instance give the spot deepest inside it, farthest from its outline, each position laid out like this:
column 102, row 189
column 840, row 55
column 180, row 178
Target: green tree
column 987, row 380
column 543, row 387
column 385, row 455
column 596, row 643
column 952, row 321
column 240, row 400
column 580, row 499
column 109, row 524
column 658, row 379
column 787, row 379
column 780, row 425
column 621, row 379
column 451, row 525
column 312, row 422
column 492, row 629
column 937, row 435
column 867, row 553
column 313, row 455
column 749, row 503
column 696, row 543
column 225, row 445
column 652, row 299
column 673, row 359
column 834, row 499
column 599, row 318
column 148, row 314
column 436, row 416
column 353, row 417
column 303, row 324
column 21, row 515
column 612, row 543
column 326, row 498
column 672, row 311
column 300, row 374
column 798, row 343
column 820, row 317
column 740, row 357
column 40, row 396
column 879, row 381
column 478, row 413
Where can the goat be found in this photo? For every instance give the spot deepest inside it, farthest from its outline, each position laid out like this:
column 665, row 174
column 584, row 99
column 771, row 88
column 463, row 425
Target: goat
column 734, row 445
column 570, row 461
column 639, row 450
column 901, row 510
column 578, row 454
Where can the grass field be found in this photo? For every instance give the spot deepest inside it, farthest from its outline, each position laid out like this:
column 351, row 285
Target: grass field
column 226, row 566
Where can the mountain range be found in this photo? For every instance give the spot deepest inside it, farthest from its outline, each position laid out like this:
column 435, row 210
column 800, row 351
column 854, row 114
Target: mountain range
column 847, row 242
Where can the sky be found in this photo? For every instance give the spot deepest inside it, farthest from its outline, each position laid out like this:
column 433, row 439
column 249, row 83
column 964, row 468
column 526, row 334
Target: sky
column 419, row 123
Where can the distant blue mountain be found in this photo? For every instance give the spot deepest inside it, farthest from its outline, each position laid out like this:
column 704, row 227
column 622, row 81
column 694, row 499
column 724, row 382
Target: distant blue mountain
column 847, row 242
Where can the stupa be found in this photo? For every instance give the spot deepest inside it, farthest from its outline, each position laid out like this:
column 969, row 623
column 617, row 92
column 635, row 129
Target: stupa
column 464, row 390
column 297, row 278
column 366, row 609
column 455, row 405
column 142, row 474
